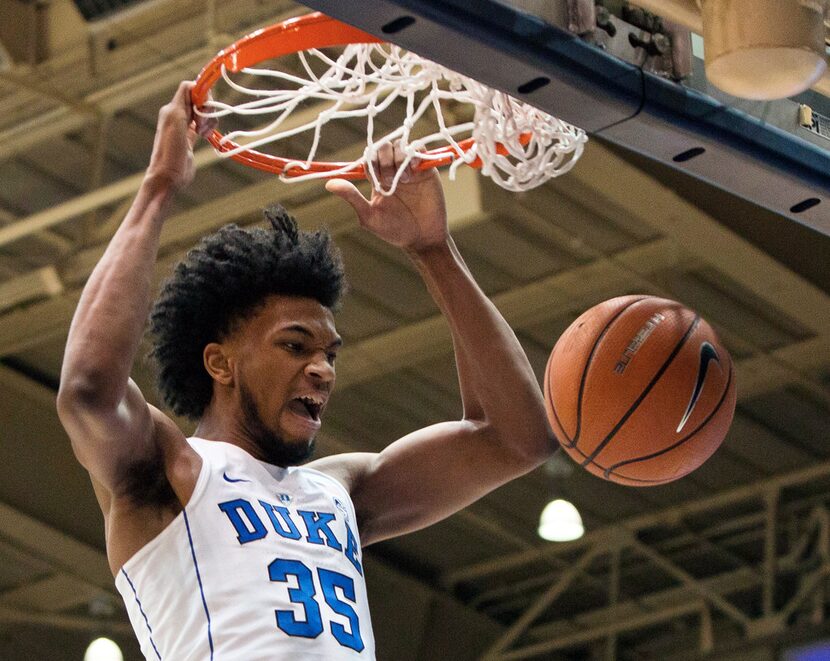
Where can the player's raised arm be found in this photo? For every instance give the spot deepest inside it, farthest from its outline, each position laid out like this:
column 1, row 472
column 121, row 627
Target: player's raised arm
column 436, row 471
column 108, row 421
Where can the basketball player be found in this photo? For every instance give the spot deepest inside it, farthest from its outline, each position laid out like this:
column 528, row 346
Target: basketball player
column 222, row 545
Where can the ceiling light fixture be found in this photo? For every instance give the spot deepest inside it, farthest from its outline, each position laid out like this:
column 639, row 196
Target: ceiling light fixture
column 764, row 49
column 103, row 649
column 560, row 522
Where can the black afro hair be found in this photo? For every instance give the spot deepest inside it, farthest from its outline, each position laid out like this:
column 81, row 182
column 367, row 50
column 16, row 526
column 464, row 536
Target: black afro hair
column 225, row 279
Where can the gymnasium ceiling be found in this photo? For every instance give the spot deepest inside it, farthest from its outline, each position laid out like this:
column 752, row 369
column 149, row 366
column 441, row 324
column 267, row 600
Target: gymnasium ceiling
column 77, row 116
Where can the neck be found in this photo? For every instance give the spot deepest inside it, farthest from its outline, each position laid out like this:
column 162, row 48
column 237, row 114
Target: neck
column 217, row 426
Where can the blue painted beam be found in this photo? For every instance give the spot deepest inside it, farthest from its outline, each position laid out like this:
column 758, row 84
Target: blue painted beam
column 506, row 48
column 588, row 87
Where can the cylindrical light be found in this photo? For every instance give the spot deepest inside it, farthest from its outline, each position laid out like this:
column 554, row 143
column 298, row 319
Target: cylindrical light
column 103, row 649
column 764, row 49
column 560, row 522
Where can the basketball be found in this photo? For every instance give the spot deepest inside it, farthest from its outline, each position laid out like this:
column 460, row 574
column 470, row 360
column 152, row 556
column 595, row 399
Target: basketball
column 639, row 390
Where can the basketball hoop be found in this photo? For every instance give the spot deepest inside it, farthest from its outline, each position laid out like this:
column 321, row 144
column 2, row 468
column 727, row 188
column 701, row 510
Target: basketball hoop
column 515, row 144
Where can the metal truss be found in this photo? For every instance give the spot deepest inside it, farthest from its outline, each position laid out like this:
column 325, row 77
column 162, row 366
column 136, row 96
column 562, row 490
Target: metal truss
column 741, row 566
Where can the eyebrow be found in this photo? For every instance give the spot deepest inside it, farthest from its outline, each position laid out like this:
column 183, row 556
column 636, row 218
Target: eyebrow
column 298, row 328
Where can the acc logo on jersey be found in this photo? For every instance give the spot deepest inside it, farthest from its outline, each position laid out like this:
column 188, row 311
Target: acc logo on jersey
column 339, row 505
column 285, row 498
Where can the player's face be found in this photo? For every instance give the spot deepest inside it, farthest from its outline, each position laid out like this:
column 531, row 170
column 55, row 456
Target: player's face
column 284, row 376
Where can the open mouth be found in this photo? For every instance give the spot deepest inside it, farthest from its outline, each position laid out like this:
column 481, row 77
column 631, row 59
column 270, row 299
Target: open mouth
column 308, row 407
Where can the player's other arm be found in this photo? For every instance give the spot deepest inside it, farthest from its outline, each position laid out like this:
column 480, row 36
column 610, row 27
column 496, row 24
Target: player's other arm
column 503, row 434
column 110, row 425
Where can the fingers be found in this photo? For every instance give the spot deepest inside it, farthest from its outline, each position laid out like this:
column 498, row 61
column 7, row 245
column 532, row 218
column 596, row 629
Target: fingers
column 181, row 109
column 204, row 126
column 180, row 105
column 391, row 157
column 401, row 158
column 385, row 163
column 184, row 95
column 349, row 192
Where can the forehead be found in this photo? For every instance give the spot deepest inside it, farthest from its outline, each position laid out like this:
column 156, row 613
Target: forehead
column 281, row 313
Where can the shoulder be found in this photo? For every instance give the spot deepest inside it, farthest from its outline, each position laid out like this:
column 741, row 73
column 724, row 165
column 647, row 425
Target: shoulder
column 347, row 468
column 181, row 463
column 160, row 477
column 153, row 492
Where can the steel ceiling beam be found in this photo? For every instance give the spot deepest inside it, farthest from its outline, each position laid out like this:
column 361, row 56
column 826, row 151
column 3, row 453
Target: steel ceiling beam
column 805, row 560
column 755, row 492
column 131, row 90
column 49, row 319
column 128, row 186
column 598, row 185
column 695, row 231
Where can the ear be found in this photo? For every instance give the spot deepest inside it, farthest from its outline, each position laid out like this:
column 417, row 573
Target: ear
column 216, row 363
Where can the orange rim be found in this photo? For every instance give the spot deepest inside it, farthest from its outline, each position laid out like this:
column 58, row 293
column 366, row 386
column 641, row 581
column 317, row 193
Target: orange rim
column 314, row 30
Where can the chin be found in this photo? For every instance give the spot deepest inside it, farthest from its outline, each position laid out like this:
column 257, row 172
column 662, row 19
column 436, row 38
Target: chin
column 283, row 452
column 273, row 444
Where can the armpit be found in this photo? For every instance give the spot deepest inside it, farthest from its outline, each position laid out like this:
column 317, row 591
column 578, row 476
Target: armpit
column 145, row 483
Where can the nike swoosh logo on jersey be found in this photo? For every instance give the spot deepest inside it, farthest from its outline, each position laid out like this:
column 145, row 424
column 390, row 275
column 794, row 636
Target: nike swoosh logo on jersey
column 231, row 479
column 707, row 354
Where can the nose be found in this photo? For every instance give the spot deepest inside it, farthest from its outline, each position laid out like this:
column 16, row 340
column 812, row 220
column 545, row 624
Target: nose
column 319, row 368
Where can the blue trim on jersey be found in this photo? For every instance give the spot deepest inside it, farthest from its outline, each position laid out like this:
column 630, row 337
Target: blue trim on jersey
column 199, row 578
column 141, row 610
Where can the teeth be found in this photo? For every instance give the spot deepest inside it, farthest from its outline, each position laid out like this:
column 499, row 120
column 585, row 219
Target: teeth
column 312, row 405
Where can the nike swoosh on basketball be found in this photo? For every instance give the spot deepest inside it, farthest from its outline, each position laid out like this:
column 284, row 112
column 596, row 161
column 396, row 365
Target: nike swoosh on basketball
column 232, row 479
column 707, row 354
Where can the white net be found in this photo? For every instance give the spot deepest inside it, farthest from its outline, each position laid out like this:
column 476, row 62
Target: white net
column 515, row 144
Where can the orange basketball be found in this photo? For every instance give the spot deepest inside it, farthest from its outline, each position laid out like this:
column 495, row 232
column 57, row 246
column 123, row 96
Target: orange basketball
column 639, row 390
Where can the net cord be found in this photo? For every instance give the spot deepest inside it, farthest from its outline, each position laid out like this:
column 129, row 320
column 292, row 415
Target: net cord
column 515, row 144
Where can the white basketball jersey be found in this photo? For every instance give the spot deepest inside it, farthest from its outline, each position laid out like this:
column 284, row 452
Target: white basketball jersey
column 264, row 563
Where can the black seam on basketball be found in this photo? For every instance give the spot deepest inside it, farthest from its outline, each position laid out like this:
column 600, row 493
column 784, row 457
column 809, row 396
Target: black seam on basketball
column 645, row 392
column 561, row 427
column 657, row 482
column 610, row 471
column 548, row 376
column 583, row 455
column 572, row 442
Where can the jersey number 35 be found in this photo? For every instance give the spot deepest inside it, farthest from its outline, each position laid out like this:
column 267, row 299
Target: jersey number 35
column 304, row 594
